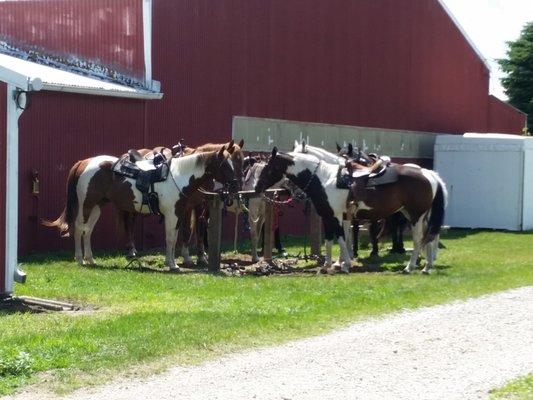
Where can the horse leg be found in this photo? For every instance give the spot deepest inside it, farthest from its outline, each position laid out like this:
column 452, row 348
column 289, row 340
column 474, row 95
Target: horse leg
column 355, row 238
column 344, row 254
column 185, row 233
column 347, row 227
column 201, row 229
column 328, row 260
column 431, row 254
column 255, row 232
column 171, row 234
column 374, row 232
column 346, row 261
column 418, row 234
column 127, row 224
column 91, row 222
column 78, row 250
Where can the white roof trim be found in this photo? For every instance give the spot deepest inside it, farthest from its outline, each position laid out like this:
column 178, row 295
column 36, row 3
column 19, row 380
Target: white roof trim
column 30, row 76
column 465, row 35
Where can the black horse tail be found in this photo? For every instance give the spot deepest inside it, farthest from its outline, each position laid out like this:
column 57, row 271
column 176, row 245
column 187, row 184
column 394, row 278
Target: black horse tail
column 436, row 217
column 65, row 221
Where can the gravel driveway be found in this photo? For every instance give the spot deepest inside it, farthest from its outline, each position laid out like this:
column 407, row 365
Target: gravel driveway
column 455, row 351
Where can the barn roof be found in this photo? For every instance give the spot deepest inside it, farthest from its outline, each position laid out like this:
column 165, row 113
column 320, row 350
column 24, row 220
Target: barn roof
column 465, row 35
column 31, row 76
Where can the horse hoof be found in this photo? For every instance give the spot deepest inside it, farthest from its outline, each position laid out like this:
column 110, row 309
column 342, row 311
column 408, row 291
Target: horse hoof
column 174, row 269
column 322, row 271
column 345, row 267
column 131, row 255
column 425, row 272
column 406, row 271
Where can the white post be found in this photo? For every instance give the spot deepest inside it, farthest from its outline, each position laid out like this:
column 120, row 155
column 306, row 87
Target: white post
column 12, row 187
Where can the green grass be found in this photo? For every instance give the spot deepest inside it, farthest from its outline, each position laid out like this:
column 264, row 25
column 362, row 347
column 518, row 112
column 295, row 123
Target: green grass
column 154, row 319
column 519, row 389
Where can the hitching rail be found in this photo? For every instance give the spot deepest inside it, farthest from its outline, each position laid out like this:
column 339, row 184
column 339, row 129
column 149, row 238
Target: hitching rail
column 215, row 226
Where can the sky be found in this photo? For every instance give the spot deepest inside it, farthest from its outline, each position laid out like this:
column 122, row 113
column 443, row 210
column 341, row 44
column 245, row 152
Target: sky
column 490, row 24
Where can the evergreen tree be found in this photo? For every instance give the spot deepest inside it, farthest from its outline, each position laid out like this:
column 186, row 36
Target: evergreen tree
column 519, row 68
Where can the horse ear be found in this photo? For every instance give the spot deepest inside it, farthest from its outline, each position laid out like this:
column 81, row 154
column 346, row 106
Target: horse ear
column 241, row 143
column 274, row 152
column 339, row 148
column 350, row 149
column 221, row 152
column 303, row 146
column 231, row 148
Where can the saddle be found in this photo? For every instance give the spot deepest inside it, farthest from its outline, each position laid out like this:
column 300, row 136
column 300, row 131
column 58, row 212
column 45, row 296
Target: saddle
column 367, row 177
column 145, row 172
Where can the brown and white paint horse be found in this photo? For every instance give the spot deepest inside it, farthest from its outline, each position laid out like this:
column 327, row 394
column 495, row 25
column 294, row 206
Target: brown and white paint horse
column 419, row 194
column 195, row 206
column 92, row 183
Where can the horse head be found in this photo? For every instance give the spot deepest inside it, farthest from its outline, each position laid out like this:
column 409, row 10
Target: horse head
column 237, row 158
column 219, row 167
column 274, row 170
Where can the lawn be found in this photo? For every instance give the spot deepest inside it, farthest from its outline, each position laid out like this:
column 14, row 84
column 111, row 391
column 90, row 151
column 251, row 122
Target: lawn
column 137, row 321
column 519, row 389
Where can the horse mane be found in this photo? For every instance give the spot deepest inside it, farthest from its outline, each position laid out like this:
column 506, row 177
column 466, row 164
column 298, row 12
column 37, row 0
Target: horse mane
column 334, row 158
column 191, row 161
column 213, row 147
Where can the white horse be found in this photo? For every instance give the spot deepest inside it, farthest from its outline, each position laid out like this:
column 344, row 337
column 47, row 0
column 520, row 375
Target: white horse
column 317, row 179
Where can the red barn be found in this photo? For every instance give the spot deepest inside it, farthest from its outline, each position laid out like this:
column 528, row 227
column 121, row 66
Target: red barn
column 390, row 64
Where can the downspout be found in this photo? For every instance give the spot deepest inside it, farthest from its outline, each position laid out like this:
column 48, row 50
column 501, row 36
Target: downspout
column 14, row 111
column 12, row 172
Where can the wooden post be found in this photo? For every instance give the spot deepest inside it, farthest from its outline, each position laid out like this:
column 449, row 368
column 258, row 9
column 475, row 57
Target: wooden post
column 214, row 232
column 269, row 231
column 315, row 232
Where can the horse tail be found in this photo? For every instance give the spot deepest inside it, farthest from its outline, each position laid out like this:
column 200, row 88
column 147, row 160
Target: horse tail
column 436, row 218
column 66, row 220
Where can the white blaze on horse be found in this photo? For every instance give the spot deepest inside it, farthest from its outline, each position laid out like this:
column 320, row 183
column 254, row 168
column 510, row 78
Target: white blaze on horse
column 92, row 183
column 318, row 179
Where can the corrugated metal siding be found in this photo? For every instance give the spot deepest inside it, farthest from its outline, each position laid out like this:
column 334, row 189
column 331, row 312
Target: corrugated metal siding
column 3, row 135
column 504, row 118
column 106, row 32
column 55, row 132
column 398, row 64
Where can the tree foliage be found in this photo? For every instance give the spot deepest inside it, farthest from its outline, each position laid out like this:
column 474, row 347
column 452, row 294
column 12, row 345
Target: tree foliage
column 519, row 68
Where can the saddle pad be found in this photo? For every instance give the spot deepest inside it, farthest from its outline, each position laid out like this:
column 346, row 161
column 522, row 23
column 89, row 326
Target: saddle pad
column 387, row 177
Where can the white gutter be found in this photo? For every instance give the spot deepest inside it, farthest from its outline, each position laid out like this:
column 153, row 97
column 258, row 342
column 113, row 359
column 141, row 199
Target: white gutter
column 133, row 94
